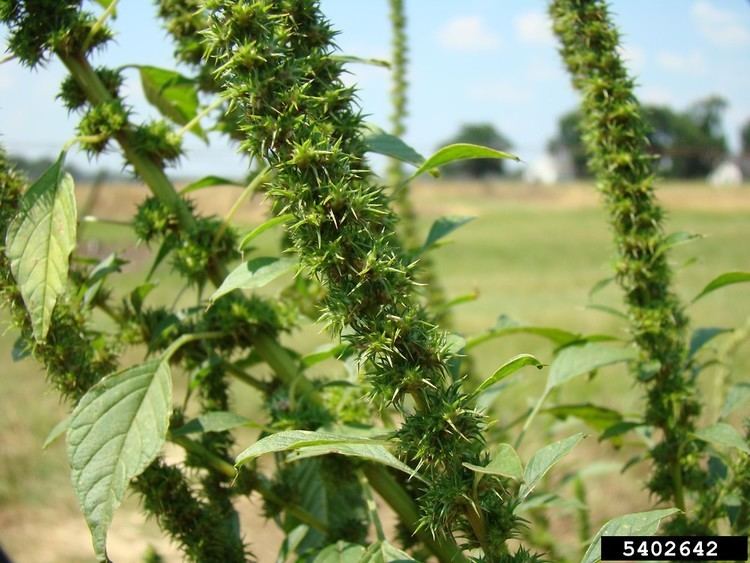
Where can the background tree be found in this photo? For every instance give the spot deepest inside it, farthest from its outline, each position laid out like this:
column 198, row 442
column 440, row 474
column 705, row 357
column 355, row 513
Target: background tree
column 568, row 143
column 483, row 134
column 745, row 138
column 689, row 143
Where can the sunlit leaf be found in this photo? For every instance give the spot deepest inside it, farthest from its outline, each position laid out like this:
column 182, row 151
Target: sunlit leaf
column 58, row 430
column 579, row 360
column 508, row 368
column 208, row 182
column 723, row 280
column 543, row 460
column 505, row 463
column 39, row 241
column 340, row 552
column 637, row 524
column 383, row 552
column 738, row 394
column 460, row 151
column 723, row 434
column 262, row 228
column 174, row 95
column 254, row 274
column 116, row 430
column 214, row 421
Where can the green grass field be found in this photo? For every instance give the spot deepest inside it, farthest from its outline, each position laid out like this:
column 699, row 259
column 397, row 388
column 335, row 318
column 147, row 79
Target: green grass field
column 533, row 257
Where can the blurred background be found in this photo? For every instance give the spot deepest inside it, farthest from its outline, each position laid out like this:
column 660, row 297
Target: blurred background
column 482, row 71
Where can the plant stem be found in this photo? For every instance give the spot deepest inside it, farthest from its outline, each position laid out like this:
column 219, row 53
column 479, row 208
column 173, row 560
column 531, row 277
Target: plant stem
column 261, row 178
column 200, row 115
column 397, row 498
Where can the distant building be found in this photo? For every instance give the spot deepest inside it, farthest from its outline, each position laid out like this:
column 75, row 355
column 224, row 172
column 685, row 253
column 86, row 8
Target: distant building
column 728, row 173
column 549, row 169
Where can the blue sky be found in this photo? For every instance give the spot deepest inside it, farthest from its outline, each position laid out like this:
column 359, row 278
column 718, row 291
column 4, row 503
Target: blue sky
column 471, row 61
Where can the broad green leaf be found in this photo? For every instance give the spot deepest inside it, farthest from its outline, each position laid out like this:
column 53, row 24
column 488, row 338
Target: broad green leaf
column 606, row 309
column 676, row 239
column 383, row 552
column 39, row 241
column 254, row 274
column 578, row 360
column 508, row 368
column 341, row 552
column 116, row 430
column 21, row 349
column 702, row 336
column 58, row 430
column 620, row 428
column 722, row 281
column 598, row 418
column 174, row 95
column 291, row 542
column 110, row 265
column 737, row 394
column 598, row 286
column 260, row 229
column 372, row 452
column 549, row 500
column 289, row 440
column 323, row 353
column 543, row 460
column 637, row 524
column 441, row 228
column 459, row 151
column 378, row 141
column 208, row 182
column 723, row 434
column 505, row 463
column 361, row 60
column 506, row 327
column 215, row 421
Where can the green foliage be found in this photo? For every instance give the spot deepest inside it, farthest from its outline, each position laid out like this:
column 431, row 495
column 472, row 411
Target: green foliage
column 483, row 134
column 174, row 95
column 254, row 274
column 116, row 430
column 39, row 241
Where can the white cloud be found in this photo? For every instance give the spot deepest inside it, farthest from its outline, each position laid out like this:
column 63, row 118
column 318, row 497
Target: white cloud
column 689, row 63
column 499, row 91
column 468, row 34
column 534, row 28
column 721, row 27
column 634, row 56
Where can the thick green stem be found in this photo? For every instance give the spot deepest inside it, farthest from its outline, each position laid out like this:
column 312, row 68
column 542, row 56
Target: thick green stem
column 399, row 500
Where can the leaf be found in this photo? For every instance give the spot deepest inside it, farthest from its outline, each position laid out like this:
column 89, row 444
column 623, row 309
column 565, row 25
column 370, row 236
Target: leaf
column 110, row 265
column 620, row 428
column 288, row 440
column 215, row 421
column 543, row 460
column 721, row 281
column 737, row 394
column 459, row 151
column 607, row 309
column 702, row 336
column 21, row 349
column 371, row 452
column 383, row 552
column 508, row 368
column 598, row 286
column 598, row 418
column 260, row 229
column 324, row 353
column 361, row 60
column 441, row 228
column 723, row 434
column 340, row 552
column 505, row 463
column 254, row 274
column 676, row 239
column 506, row 327
column 174, row 95
column 208, row 182
column 39, row 241
column 116, row 430
column 378, row 141
column 578, row 360
column 637, row 524
column 58, row 430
